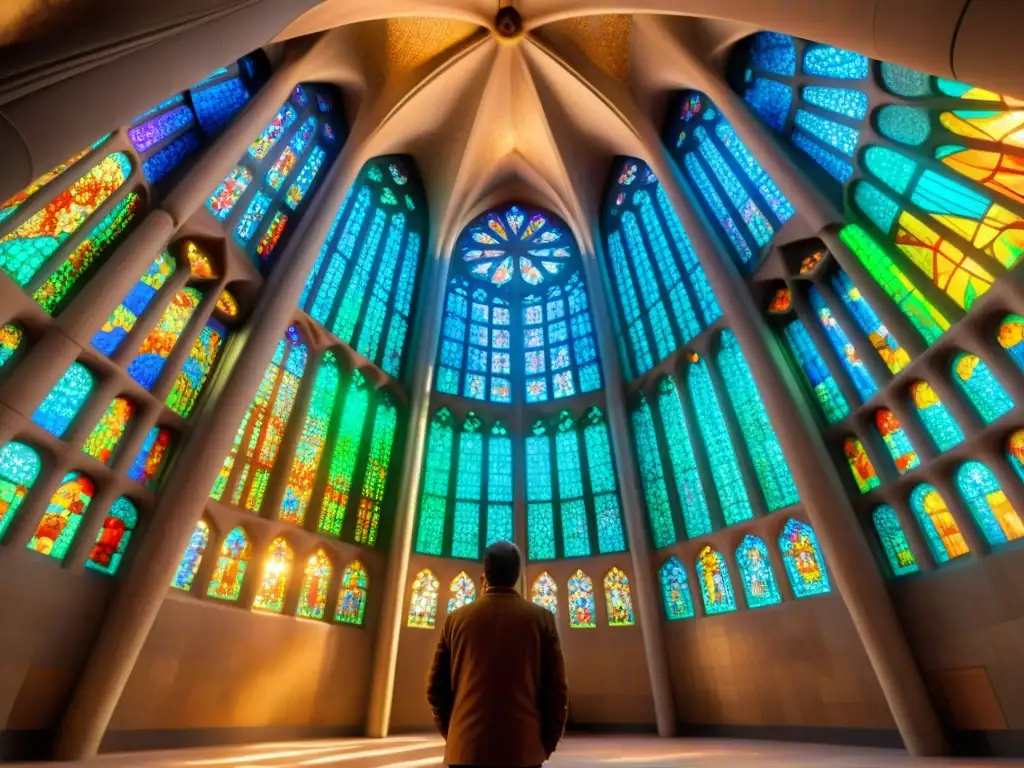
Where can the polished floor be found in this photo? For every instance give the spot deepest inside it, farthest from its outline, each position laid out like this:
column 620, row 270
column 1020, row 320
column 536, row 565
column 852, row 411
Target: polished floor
column 576, row 752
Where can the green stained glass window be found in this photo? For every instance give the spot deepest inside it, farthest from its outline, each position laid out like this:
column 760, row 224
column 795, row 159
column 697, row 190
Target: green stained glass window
column 62, row 403
column 468, row 490
column 652, row 477
column 19, row 468
column 936, row 418
column 436, row 473
column 112, row 539
column 603, row 484
column 984, row 391
column 988, row 505
column 675, row 591
column 352, row 600
column 499, row 485
column 805, row 565
column 375, row 478
column 894, row 541
column 696, row 517
column 341, row 471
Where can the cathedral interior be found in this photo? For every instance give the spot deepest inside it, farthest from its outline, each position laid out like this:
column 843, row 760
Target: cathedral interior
column 708, row 305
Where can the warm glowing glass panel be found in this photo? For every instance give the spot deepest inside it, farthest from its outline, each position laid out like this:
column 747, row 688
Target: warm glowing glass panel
column 715, row 582
column 675, row 591
column 582, row 613
column 423, row 606
column 352, row 600
column 805, row 565
column 112, row 539
column 938, row 524
column 277, row 570
column 756, row 573
column 63, row 516
column 316, row 579
column 103, row 440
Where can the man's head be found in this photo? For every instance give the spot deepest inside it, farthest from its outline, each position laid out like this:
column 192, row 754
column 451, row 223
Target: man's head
column 501, row 564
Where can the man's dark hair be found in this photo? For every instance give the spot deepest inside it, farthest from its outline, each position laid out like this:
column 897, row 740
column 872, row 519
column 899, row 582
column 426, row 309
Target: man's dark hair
column 501, row 564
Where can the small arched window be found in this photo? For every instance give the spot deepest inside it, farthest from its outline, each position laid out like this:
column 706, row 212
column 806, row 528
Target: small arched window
column 888, row 348
column 112, row 540
column 894, row 541
column 341, row 471
column 756, row 573
column 804, row 562
column 618, row 599
column 827, row 393
column 940, row 527
column 232, row 563
column 1014, row 454
column 675, row 591
column 103, row 440
column 860, row 465
column 463, row 592
column 846, row 353
column 352, row 600
column 11, row 337
column 988, row 505
column 581, row 602
column 192, row 558
column 63, row 515
column 126, row 314
column 277, row 571
column 155, row 349
column 545, row 592
column 903, row 454
column 1011, row 338
column 423, row 607
column 715, row 582
column 652, row 476
column 149, row 461
column 941, row 426
column 436, row 475
column 62, row 403
column 696, row 517
column 316, row 579
column 976, row 381
column 19, row 468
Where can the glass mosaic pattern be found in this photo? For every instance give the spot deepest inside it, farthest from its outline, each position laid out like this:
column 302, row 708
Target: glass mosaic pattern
column 423, row 605
column 112, row 539
column 62, row 403
column 463, row 592
column 618, row 599
column 715, row 582
column 985, row 393
column 59, row 523
column 937, row 523
column 352, row 600
column 192, row 558
column 277, row 571
column 582, row 613
column 681, row 459
column 675, row 591
column 19, row 468
column 756, row 573
column 805, row 565
column 316, row 578
column 988, row 505
column 894, row 542
column 545, row 592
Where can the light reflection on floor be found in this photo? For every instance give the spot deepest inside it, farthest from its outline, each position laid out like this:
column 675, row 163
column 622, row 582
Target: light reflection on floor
column 576, row 752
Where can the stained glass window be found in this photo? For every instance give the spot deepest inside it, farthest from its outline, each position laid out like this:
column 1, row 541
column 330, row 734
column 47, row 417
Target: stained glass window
column 715, row 582
column 696, row 517
column 121, row 321
column 843, row 347
column 12, row 204
column 756, row 573
column 468, row 490
column 156, row 348
column 352, row 600
column 341, row 471
column 196, row 370
column 894, row 541
column 375, row 477
column 149, row 461
column 938, row 524
column 540, row 523
column 652, row 477
column 1010, row 335
column 860, row 465
column 235, row 550
column 103, row 440
column 1014, row 454
column 19, row 468
column 499, row 485
column 62, row 404
column 675, row 591
column 769, row 462
column 804, row 562
column 277, row 569
column 545, row 592
column 989, row 507
column 463, row 592
column 936, row 419
column 618, row 600
column 423, row 606
column 581, row 601
column 888, row 348
column 725, row 468
column 193, row 557
column 63, row 515
column 827, row 393
column 603, row 484
column 11, row 336
column 903, row 454
column 436, row 473
column 112, row 539
column 983, row 390
column 316, row 579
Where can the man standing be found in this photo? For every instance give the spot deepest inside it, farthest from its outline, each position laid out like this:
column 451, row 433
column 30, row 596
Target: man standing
column 497, row 686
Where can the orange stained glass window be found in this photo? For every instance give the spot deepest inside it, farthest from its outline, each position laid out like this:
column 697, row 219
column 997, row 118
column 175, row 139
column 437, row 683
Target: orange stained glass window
column 63, row 515
column 232, row 563
column 316, row 578
column 938, row 524
column 860, row 465
column 277, row 569
column 782, row 301
column 903, row 454
column 352, row 600
column 103, row 440
column 199, row 263
column 227, row 304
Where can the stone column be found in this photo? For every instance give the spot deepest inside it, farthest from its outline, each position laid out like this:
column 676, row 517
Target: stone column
column 645, row 588
column 137, row 604
column 821, row 490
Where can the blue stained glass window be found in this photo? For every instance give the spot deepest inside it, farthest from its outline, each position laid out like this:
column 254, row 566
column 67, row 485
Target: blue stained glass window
column 110, row 335
column 603, row 484
column 715, row 582
column 630, row 304
column 989, row 507
column 894, row 541
column 756, row 573
column 696, row 517
column 888, row 348
column 826, row 391
column 62, row 403
column 843, row 347
column 725, row 467
column 832, row 133
column 250, row 221
column 165, row 160
column 836, row 167
column 652, row 477
column 675, row 591
column 718, row 209
column 771, row 100
column 848, row 102
column 774, row 52
column 499, row 486
column 936, row 418
column 904, row 81
column 804, row 562
column 828, row 61
column 780, row 206
column 976, row 381
column 905, row 124
column 540, row 530
column 706, row 300
column 216, row 105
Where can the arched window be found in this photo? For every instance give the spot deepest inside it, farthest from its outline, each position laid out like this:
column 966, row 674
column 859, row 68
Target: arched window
column 103, row 440
column 112, row 540
column 499, row 485
column 573, row 509
column 827, row 393
column 540, row 512
column 375, row 479
column 277, row 570
column 581, row 602
column 652, row 476
column 860, row 465
column 936, row 419
column 766, row 454
column 988, row 505
column 737, row 194
column 14, row 203
column 468, row 489
column 1011, row 338
column 618, row 599
column 423, row 607
column 756, row 573
column 463, row 592
column 894, row 541
column 63, row 515
column 193, row 557
column 938, row 524
column 352, row 600
column 436, row 474
column 311, row 443
column 362, row 285
column 235, row 550
column 843, row 347
column 641, row 230
column 264, row 197
column 263, row 426
column 1014, row 454
column 725, row 468
column 316, row 579
column 983, row 390
column 675, row 591
column 715, row 583
column 545, row 592
column 122, row 320
column 11, row 337
column 903, row 454
column 341, row 471
column 19, row 468
column 802, row 557
column 696, row 517
column 156, row 348
column 888, row 348
column 62, row 403
column 201, row 360
column 603, row 484
column 149, row 461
